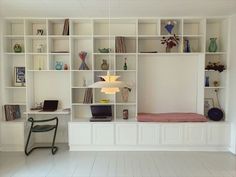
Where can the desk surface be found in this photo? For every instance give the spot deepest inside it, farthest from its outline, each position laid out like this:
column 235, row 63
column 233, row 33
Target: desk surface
column 59, row 111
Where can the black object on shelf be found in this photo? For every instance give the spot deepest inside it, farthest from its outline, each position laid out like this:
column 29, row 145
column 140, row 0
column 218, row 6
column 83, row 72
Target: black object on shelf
column 215, row 114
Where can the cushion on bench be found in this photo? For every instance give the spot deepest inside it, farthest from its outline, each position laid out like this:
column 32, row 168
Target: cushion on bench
column 171, row 117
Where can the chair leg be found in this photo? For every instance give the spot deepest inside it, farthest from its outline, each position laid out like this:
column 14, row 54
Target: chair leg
column 54, row 148
column 27, row 143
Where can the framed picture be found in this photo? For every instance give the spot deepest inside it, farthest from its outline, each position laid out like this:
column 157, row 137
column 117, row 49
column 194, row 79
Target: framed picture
column 19, row 76
column 208, row 104
column 12, row 112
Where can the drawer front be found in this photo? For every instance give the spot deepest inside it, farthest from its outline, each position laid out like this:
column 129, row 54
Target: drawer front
column 103, row 134
column 126, row 134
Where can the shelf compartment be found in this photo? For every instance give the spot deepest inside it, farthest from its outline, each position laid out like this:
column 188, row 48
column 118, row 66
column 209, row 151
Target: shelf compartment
column 123, row 27
column 130, row 79
column 78, row 45
column 10, row 63
column 58, row 45
column 98, row 60
column 22, row 110
column 98, row 96
column 150, row 45
column 131, row 110
column 63, row 59
column 32, row 27
column 101, row 27
column 177, row 27
column 193, row 27
column 14, row 27
column 36, row 62
column 210, row 93
column 15, row 96
column 82, row 79
column 216, row 76
column 196, row 44
column 55, row 26
column 82, row 112
column 36, row 45
column 10, row 42
column 217, row 28
column 78, row 95
column 131, row 62
column 130, row 44
column 105, row 42
column 148, row 27
column 222, row 59
column 81, row 27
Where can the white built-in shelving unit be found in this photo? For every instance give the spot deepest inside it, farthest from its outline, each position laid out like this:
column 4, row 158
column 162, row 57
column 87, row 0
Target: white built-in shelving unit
column 142, row 37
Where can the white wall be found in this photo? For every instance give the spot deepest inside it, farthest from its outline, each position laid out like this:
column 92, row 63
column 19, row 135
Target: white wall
column 125, row 8
column 169, row 84
column 232, row 84
column 0, row 69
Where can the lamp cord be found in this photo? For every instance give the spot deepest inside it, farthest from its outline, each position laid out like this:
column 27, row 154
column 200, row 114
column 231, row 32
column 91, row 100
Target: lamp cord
column 217, row 98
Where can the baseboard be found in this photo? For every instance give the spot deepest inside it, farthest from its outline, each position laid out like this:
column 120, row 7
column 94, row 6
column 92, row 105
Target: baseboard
column 145, row 148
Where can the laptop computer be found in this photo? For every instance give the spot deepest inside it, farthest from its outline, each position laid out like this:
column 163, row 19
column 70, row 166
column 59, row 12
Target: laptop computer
column 101, row 113
column 50, row 105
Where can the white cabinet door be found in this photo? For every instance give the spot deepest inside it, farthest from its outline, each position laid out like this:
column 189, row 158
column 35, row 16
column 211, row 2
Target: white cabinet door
column 79, row 133
column 195, row 134
column 149, row 134
column 218, row 134
column 12, row 134
column 172, row 134
column 103, row 134
column 126, row 134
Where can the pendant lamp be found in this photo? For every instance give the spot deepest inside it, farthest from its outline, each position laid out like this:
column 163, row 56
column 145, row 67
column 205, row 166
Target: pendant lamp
column 110, row 85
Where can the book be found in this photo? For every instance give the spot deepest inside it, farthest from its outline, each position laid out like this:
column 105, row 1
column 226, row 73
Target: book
column 12, row 112
column 88, row 96
column 66, row 27
column 120, row 45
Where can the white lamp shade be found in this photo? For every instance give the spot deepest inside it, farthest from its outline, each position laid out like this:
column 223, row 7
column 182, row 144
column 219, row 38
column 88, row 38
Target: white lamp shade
column 110, row 85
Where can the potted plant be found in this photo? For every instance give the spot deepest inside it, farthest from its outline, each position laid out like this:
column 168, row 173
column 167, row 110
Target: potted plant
column 170, row 42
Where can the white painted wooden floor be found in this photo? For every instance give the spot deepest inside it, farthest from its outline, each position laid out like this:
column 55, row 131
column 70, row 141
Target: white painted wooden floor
column 117, row 164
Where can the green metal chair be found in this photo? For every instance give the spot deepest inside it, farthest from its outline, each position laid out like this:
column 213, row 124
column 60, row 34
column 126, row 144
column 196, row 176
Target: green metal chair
column 39, row 129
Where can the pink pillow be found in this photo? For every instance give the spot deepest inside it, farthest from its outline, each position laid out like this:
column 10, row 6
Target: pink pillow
column 171, row 117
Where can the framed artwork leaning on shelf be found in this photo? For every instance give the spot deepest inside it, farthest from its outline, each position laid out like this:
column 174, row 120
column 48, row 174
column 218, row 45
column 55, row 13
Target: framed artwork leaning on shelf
column 19, row 76
column 12, row 112
column 208, row 104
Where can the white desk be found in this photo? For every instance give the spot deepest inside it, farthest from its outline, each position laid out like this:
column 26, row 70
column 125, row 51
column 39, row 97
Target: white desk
column 57, row 112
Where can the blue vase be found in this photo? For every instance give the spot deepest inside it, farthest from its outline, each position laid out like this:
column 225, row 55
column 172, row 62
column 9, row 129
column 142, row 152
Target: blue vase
column 207, row 83
column 59, row 65
column 187, row 48
column 169, row 28
column 212, row 46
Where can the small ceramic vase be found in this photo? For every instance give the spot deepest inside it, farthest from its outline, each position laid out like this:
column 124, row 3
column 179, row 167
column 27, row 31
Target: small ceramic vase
column 59, row 65
column 104, row 65
column 212, row 46
column 17, row 48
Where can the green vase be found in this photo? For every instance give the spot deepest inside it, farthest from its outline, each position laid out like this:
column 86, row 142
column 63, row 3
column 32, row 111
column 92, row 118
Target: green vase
column 212, row 46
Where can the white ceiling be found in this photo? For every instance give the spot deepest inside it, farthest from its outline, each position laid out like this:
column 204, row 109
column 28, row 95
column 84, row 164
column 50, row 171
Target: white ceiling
column 119, row 8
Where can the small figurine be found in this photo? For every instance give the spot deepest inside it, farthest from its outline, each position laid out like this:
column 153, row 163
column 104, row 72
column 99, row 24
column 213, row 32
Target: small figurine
column 66, row 67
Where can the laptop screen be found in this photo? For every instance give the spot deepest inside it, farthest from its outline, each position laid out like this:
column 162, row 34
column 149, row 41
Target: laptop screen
column 101, row 111
column 50, row 104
